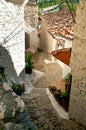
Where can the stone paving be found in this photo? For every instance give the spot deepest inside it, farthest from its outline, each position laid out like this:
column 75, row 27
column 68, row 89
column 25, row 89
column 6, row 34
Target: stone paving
column 38, row 104
column 44, row 115
column 52, row 71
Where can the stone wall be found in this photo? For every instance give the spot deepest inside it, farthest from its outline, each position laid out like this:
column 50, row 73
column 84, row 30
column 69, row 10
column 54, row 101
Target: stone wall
column 34, row 41
column 77, row 109
column 31, row 22
column 13, row 114
column 12, row 41
column 31, row 14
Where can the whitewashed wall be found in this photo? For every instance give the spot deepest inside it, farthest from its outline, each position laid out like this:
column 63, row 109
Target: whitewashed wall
column 33, row 39
column 47, row 42
column 12, row 41
column 66, row 69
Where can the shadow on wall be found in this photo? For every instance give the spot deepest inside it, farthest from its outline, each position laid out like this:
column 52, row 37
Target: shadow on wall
column 6, row 62
column 16, row 1
column 27, row 41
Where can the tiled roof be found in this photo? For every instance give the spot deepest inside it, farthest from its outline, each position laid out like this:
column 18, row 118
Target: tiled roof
column 59, row 23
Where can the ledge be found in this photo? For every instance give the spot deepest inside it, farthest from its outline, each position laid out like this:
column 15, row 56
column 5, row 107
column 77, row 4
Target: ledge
column 61, row 112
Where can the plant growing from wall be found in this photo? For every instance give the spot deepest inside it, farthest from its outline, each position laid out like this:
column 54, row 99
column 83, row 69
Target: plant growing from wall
column 29, row 64
column 9, row 118
column 17, row 88
column 2, row 74
column 61, row 97
column 67, row 80
column 65, row 99
column 2, row 126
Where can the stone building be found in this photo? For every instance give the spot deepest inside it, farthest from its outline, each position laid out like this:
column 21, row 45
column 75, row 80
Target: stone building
column 77, row 109
column 31, row 22
column 56, row 30
column 12, row 39
column 57, row 33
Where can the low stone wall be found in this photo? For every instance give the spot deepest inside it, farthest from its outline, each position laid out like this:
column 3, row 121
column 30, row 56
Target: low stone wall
column 9, row 102
column 13, row 114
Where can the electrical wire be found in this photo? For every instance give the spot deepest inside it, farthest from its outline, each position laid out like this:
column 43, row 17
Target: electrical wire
column 1, row 50
column 13, row 36
column 10, row 34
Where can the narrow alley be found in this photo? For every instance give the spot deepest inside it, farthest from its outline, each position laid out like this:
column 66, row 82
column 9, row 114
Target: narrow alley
column 42, row 65
column 38, row 104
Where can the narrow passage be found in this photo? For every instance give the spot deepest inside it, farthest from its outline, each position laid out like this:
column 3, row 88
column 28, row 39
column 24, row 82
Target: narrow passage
column 38, row 103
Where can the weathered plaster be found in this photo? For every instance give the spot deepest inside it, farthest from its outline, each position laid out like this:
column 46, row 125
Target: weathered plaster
column 12, row 39
column 77, row 108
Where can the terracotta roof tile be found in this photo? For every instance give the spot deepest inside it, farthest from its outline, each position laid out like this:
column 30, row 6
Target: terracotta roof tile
column 60, row 23
column 63, row 55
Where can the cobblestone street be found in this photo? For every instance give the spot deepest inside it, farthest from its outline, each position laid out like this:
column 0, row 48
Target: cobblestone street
column 38, row 104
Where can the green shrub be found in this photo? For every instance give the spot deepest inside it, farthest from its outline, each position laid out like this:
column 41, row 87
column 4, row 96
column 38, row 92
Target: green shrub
column 65, row 94
column 29, row 64
column 52, row 88
column 2, row 74
column 17, row 88
column 9, row 118
column 28, row 61
column 67, row 79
